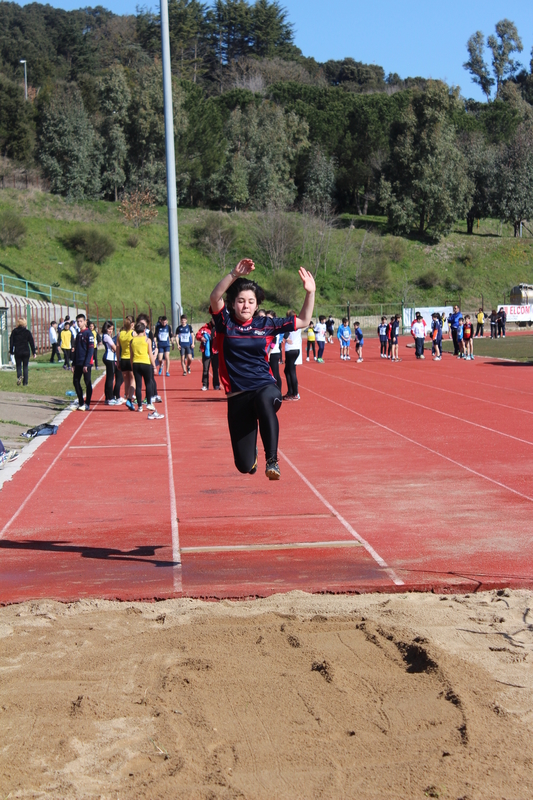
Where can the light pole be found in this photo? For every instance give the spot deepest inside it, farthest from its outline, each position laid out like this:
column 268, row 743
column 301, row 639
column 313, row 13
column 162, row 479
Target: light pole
column 22, row 61
column 172, row 203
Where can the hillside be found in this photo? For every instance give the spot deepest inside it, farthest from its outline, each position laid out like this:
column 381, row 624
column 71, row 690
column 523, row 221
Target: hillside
column 355, row 260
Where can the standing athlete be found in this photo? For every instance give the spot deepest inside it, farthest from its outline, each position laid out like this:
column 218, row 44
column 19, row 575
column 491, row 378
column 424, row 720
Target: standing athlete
column 244, row 342
column 82, row 361
column 184, row 337
column 163, row 333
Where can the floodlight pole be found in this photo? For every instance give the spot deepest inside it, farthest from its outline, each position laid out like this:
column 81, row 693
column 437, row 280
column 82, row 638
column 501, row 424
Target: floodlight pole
column 172, row 203
column 22, row 61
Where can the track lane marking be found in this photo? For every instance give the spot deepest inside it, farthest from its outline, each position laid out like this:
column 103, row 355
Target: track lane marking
column 423, row 446
column 26, row 500
column 435, row 411
column 109, row 446
column 368, row 547
column 176, row 554
column 451, row 391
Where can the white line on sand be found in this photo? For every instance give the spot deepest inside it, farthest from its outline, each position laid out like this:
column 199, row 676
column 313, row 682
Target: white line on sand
column 368, row 547
column 237, row 548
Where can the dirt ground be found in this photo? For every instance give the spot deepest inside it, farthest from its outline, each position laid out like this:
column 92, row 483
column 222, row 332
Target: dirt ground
column 296, row 696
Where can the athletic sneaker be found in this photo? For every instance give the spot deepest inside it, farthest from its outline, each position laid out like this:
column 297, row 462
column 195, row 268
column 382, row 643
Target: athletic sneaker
column 156, row 399
column 320, row 360
column 7, row 456
column 295, row 397
column 83, row 408
column 74, row 406
column 130, row 405
column 168, row 374
column 19, row 380
column 359, row 360
column 422, row 356
column 185, row 373
column 160, row 371
column 288, row 397
column 155, row 415
column 348, row 358
column 150, row 407
column 307, row 359
column 188, row 370
column 111, row 403
column 316, row 359
column 272, row 470
column 121, row 401
column 204, row 388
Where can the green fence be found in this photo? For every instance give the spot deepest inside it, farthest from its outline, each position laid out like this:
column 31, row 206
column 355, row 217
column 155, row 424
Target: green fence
column 41, row 291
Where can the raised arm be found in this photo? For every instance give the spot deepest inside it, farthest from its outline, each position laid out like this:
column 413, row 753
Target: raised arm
column 243, row 268
column 304, row 317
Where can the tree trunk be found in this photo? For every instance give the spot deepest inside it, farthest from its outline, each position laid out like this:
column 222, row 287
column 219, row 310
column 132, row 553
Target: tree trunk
column 422, row 220
column 470, row 219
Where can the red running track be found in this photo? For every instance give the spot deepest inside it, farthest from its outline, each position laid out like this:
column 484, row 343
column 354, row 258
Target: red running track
column 409, row 476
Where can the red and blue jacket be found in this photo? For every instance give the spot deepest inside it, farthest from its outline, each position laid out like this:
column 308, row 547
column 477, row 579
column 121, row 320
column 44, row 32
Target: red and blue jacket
column 244, row 348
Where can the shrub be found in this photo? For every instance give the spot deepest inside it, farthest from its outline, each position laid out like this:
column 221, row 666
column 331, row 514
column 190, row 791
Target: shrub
column 91, row 244
column 85, row 273
column 397, row 248
column 133, row 240
column 12, row 229
column 428, row 280
column 216, row 237
column 163, row 251
column 469, row 257
column 286, row 288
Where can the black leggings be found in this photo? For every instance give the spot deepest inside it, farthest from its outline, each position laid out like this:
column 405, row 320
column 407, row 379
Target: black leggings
column 245, row 411
column 22, row 367
column 383, row 346
column 214, row 367
column 142, row 372
column 311, row 346
column 113, row 380
column 274, row 366
column 78, row 372
column 291, row 357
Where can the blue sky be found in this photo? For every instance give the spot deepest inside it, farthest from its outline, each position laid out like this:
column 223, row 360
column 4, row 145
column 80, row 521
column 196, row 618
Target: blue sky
column 411, row 37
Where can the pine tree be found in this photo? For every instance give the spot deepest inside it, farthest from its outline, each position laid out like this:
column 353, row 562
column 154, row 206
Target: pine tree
column 114, row 101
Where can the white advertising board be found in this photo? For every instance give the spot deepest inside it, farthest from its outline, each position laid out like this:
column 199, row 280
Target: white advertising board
column 518, row 313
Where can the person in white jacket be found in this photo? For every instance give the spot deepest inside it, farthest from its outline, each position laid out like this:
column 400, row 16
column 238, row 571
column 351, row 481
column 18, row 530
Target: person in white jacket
column 293, row 352
column 418, row 330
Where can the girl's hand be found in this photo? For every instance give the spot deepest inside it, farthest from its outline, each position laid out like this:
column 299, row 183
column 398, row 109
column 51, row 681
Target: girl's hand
column 307, row 279
column 244, row 267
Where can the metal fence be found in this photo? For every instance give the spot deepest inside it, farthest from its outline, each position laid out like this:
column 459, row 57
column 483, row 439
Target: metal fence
column 41, row 291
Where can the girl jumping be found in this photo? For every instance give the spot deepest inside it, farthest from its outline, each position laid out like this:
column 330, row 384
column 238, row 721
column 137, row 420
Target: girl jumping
column 244, row 341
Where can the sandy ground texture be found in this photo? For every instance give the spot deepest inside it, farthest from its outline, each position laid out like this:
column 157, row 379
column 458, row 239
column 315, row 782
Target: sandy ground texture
column 295, row 696
column 18, row 412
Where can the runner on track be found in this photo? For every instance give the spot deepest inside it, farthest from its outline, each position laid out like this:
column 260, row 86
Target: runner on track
column 164, row 334
column 185, row 339
column 244, row 342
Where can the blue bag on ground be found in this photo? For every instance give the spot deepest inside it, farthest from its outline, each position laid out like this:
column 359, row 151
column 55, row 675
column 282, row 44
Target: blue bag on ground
column 46, row 429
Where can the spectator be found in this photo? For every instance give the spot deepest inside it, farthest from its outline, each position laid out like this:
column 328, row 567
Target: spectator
column 453, row 321
column 468, row 339
column 359, row 342
column 502, row 319
column 436, row 336
column 330, row 328
column 460, row 337
column 320, row 333
column 481, row 317
column 418, row 331
column 66, row 343
column 493, row 324
column 53, row 342
column 311, row 339
column 382, row 333
column 344, row 335
column 20, row 344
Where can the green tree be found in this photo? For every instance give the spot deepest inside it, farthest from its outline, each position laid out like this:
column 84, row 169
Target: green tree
column 320, row 181
column 271, row 33
column 145, row 132
column 115, row 97
column 68, row 148
column 482, row 161
column 503, row 45
column 476, row 64
column 425, row 187
column 263, row 147
column 17, row 129
column 515, row 178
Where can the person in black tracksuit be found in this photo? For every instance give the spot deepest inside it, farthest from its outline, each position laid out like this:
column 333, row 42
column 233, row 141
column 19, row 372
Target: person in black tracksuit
column 20, row 344
column 82, row 361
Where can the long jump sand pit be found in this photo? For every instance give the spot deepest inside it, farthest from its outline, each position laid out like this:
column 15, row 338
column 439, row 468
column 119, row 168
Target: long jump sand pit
column 295, row 696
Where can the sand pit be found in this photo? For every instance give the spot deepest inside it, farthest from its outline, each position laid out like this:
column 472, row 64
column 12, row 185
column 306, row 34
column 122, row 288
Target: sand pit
column 295, row 696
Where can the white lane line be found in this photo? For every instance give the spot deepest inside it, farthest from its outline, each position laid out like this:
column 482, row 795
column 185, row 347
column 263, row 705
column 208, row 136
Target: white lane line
column 238, row 548
column 435, row 411
column 28, row 497
column 423, row 446
column 110, row 446
column 451, row 391
column 176, row 554
column 368, row 547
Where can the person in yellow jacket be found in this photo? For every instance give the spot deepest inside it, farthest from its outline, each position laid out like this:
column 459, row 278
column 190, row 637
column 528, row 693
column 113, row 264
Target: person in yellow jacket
column 311, row 338
column 123, row 359
column 66, row 344
column 143, row 366
column 481, row 317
